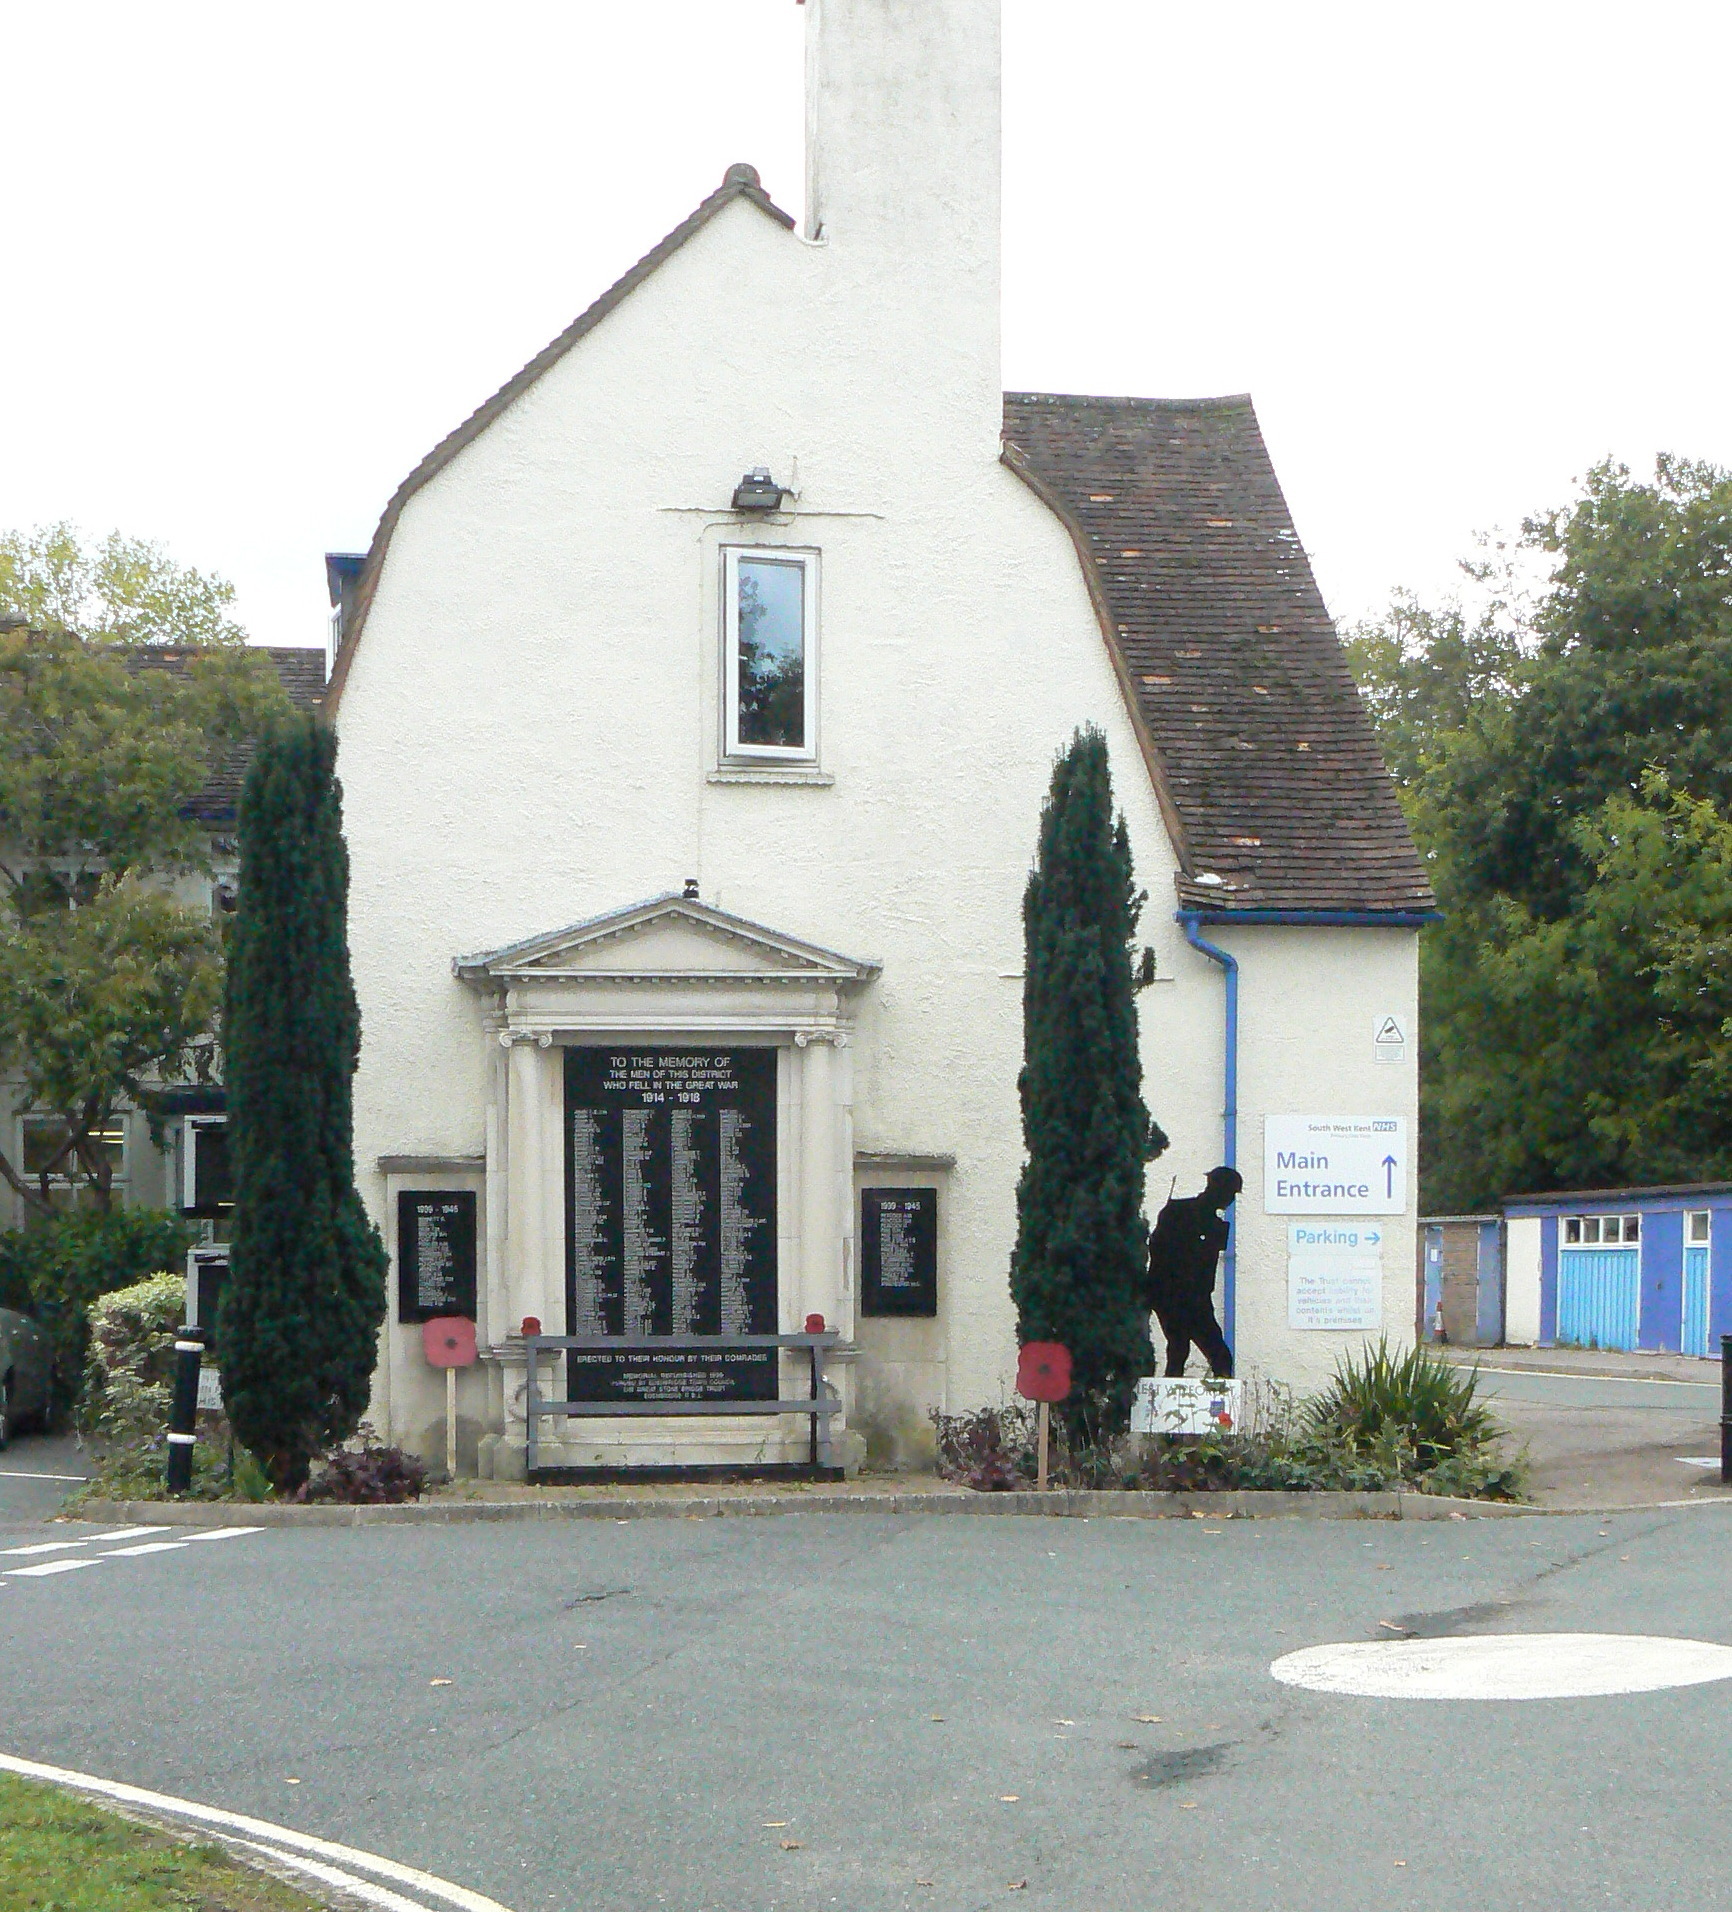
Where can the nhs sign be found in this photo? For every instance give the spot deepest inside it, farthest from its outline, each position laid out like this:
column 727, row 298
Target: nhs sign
column 1334, row 1165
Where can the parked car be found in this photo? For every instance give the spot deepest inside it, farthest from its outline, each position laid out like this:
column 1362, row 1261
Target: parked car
column 26, row 1374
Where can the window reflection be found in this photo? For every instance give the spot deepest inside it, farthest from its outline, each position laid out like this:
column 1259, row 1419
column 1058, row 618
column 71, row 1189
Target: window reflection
column 772, row 653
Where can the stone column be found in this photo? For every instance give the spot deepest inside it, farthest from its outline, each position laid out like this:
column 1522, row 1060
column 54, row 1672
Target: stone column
column 524, row 1250
column 820, row 1224
column 523, row 1231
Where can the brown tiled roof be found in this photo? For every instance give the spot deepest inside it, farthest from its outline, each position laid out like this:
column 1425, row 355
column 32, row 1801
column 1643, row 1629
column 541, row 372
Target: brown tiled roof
column 302, row 674
column 1263, row 756
column 301, row 671
column 739, row 182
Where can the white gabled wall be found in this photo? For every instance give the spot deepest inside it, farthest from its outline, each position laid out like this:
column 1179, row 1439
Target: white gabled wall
column 530, row 723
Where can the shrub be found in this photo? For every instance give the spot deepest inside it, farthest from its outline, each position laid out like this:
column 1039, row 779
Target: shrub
column 1327, row 1443
column 56, row 1269
column 129, row 1370
column 369, row 1474
column 989, row 1450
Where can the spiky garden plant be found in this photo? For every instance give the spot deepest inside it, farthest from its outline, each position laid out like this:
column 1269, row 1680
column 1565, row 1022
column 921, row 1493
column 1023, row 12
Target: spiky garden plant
column 1416, row 1397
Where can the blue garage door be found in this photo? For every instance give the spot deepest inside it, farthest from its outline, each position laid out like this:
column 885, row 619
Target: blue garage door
column 1695, row 1337
column 1599, row 1296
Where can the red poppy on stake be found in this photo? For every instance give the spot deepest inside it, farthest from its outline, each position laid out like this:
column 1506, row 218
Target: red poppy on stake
column 448, row 1341
column 1043, row 1371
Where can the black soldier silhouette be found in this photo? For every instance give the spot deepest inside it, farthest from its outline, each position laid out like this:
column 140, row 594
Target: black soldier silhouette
column 1185, row 1244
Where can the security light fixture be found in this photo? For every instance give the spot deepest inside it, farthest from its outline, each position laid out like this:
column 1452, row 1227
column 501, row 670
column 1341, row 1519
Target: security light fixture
column 758, row 491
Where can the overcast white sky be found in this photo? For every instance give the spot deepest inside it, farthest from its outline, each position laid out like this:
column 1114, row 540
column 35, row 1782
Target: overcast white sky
column 260, row 257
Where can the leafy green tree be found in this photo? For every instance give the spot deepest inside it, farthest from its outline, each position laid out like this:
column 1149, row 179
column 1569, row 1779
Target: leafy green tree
column 1425, row 674
column 1595, row 1048
column 300, row 1315
column 127, row 590
column 109, row 980
column 100, row 1002
column 1566, row 765
column 56, row 1269
column 1081, row 1240
column 1631, row 668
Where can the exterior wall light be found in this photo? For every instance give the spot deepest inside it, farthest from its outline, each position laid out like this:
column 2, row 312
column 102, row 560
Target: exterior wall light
column 758, row 491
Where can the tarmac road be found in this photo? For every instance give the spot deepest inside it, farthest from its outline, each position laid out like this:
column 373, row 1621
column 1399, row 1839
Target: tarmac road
column 807, row 1711
column 1610, row 1429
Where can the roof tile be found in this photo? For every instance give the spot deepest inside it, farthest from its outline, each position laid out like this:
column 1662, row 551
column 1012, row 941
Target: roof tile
column 1266, row 759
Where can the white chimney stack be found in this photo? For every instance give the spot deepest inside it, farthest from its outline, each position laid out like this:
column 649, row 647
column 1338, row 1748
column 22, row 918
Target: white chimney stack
column 903, row 188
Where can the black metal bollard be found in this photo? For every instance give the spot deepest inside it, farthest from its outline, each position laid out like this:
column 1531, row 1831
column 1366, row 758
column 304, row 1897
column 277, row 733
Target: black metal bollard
column 183, row 1415
column 1726, row 1410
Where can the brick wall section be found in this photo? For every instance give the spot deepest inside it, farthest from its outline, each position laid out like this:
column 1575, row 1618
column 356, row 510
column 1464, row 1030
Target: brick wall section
column 1461, row 1283
column 1267, row 755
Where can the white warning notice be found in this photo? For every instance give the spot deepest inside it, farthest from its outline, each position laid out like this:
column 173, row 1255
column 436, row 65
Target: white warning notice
column 1335, row 1277
column 1389, row 1038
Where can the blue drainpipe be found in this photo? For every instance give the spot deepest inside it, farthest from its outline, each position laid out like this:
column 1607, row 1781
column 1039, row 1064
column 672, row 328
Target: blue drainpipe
column 1191, row 920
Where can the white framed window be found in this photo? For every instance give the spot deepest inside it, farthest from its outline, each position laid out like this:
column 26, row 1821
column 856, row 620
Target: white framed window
column 1597, row 1231
column 204, row 1165
column 1696, row 1227
column 769, row 654
column 42, row 1137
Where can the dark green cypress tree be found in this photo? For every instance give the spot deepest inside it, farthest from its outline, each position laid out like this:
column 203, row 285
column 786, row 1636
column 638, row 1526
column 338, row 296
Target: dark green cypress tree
column 1081, row 1242
column 299, row 1320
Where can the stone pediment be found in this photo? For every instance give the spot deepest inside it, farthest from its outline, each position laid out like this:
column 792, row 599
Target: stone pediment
column 671, row 939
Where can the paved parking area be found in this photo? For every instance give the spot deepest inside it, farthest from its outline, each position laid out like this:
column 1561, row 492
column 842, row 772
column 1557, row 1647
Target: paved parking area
column 1607, row 1429
column 37, row 1472
column 873, row 1713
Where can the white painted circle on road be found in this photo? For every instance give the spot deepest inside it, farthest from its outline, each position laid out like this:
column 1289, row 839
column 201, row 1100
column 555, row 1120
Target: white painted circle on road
column 1506, row 1666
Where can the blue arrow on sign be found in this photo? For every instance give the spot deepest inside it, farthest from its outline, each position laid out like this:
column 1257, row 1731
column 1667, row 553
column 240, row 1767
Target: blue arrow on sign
column 1389, row 1177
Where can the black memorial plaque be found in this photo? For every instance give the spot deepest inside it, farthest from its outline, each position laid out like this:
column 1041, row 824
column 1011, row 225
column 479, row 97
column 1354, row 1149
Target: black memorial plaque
column 899, row 1251
column 435, row 1253
column 670, row 1218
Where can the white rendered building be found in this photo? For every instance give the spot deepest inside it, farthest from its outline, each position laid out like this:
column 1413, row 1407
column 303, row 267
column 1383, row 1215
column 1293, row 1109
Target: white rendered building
column 811, row 719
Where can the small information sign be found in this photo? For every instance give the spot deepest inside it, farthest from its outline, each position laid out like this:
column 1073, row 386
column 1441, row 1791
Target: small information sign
column 899, row 1251
column 1178, row 1406
column 1335, row 1277
column 210, row 1391
column 435, row 1253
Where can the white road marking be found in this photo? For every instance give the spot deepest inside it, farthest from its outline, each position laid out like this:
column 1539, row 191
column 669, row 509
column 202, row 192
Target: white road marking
column 101, row 1549
column 1506, row 1666
column 1698, row 1460
column 284, row 1838
column 329, row 1875
column 1618, row 1380
column 29, row 1473
column 90, row 1540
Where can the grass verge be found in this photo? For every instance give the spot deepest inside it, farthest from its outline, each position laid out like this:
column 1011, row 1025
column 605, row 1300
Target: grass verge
column 58, row 1854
